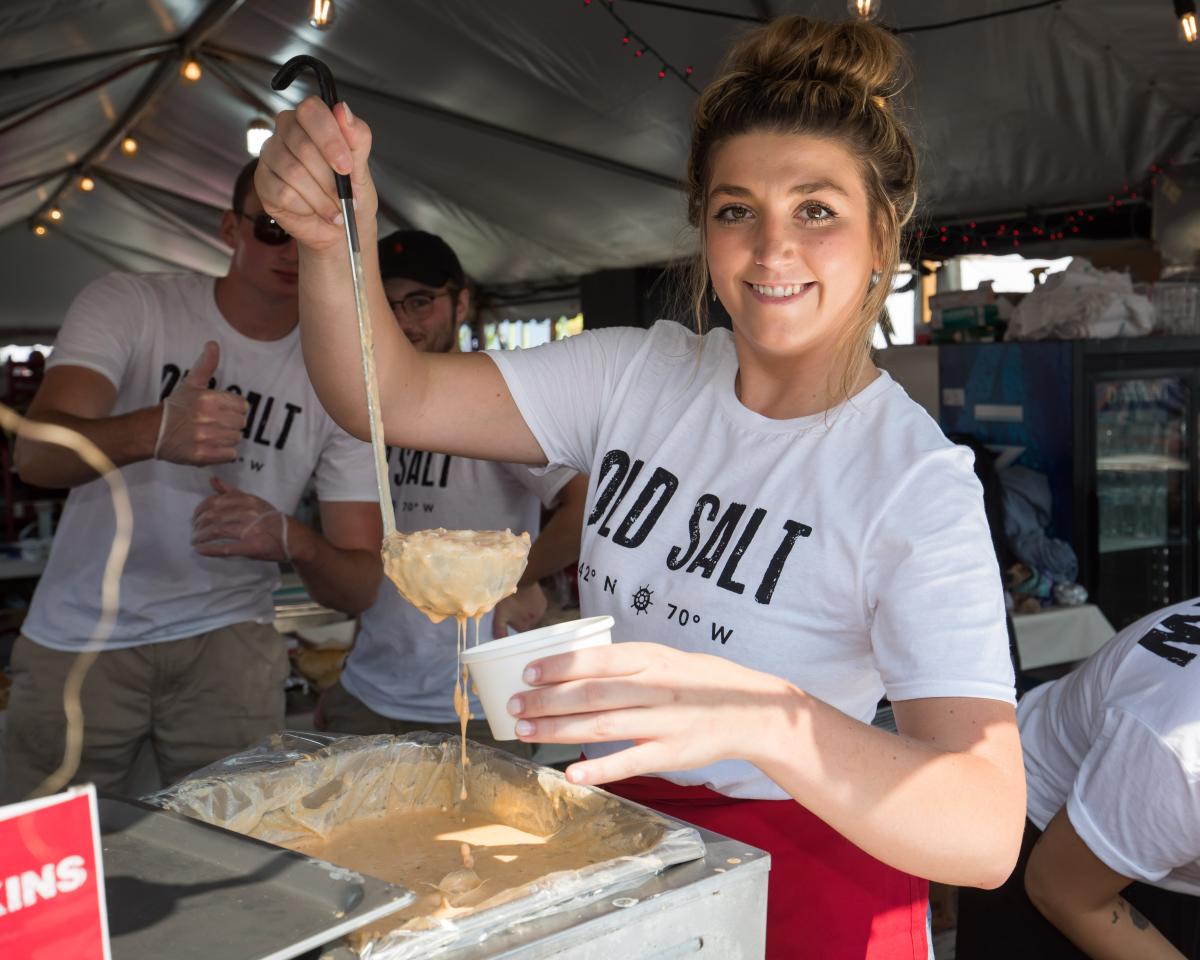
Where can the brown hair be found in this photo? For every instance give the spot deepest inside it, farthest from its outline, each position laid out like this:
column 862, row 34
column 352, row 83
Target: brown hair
column 834, row 80
column 243, row 185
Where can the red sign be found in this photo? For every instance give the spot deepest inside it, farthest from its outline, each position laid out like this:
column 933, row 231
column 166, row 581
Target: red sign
column 52, row 879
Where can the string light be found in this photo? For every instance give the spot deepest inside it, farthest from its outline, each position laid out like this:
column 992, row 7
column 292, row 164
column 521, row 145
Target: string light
column 87, row 184
column 643, row 50
column 863, row 9
column 323, row 14
column 39, row 230
column 258, row 132
column 190, row 71
column 1185, row 10
column 1123, row 211
column 55, row 214
column 129, row 146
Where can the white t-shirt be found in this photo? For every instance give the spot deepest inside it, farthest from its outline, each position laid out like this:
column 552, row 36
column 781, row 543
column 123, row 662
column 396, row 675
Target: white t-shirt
column 402, row 665
column 1118, row 742
column 142, row 332
column 847, row 551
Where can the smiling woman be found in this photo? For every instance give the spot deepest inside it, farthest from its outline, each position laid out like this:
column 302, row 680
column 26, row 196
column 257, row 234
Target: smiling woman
column 797, row 137
column 780, row 534
column 790, row 254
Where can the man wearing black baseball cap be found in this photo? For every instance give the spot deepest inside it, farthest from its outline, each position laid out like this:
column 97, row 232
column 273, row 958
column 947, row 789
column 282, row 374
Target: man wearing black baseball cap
column 400, row 675
column 419, row 270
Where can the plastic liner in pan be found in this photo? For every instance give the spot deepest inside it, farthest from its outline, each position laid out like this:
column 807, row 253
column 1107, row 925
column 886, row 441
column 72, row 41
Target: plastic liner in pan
column 297, row 786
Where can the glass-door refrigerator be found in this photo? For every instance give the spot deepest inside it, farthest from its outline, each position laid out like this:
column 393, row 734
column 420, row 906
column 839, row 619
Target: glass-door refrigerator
column 1112, row 424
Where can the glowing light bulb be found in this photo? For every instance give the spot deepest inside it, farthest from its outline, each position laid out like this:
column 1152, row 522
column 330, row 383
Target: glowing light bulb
column 39, row 230
column 258, row 132
column 191, row 71
column 323, row 14
column 863, row 9
column 87, row 184
column 129, row 146
column 55, row 214
column 1187, row 23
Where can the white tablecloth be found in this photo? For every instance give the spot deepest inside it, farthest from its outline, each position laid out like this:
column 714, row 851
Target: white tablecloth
column 1061, row 635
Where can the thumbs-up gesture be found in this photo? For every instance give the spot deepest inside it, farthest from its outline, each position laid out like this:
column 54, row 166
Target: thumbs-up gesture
column 200, row 426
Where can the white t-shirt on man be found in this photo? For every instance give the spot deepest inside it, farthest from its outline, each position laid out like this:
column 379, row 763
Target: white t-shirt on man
column 143, row 332
column 1118, row 742
column 402, row 665
column 847, row 552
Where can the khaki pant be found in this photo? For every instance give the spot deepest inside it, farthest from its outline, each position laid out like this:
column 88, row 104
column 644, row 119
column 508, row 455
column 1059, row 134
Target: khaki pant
column 196, row 700
column 341, row 712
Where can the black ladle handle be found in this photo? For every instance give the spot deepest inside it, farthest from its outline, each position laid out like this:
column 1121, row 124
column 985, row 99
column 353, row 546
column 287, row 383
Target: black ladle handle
column 283, row 79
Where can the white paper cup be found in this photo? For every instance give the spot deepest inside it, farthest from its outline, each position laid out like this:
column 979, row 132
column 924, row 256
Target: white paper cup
column 498, row 665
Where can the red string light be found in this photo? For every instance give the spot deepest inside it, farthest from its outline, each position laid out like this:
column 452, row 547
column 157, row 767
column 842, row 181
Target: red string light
column 643, row 47
column 1049, row 226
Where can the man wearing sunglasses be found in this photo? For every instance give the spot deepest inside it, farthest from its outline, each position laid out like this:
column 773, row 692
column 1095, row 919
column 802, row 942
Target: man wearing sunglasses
column 400, row 675
column 196, row 389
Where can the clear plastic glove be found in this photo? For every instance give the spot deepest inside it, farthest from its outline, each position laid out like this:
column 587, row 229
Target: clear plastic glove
column 521, row 611
column 233, row 523
column 200, row 426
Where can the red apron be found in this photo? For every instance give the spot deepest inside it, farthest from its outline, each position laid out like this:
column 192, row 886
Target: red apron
column 827, row 900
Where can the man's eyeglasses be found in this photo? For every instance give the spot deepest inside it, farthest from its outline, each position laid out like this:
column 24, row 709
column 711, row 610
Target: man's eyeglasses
column 266, row 230
column 418, row 306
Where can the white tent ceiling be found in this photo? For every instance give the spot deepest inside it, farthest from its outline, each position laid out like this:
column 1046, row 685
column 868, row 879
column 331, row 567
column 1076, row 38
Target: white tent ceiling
column 525, row 131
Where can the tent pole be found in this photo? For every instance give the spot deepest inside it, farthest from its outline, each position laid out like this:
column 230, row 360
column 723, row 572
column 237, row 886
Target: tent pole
column 158, row 47
column 160, row 211
column 86, row 240
column 135, row 184
column 210, row 19
column 37, row 178
column 37, row 109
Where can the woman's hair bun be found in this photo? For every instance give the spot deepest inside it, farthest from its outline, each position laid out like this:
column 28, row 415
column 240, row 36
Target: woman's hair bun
column 795, row 49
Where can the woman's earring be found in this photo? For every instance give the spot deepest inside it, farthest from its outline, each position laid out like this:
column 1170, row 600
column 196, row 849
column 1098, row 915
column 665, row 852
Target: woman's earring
column 875, row 275
column 714, row 290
